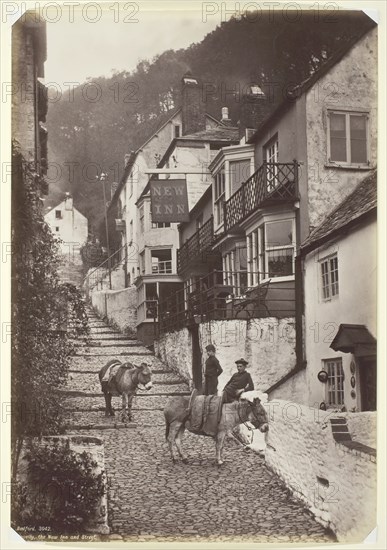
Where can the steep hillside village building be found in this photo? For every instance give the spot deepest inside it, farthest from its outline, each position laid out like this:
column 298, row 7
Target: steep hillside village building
column 309, row 155
column 339, row 266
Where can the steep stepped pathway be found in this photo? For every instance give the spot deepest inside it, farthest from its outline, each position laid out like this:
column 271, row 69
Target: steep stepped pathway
column 152, row 499
column 84, row 399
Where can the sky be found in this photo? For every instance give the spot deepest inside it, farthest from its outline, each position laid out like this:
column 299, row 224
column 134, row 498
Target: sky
column 121, row 35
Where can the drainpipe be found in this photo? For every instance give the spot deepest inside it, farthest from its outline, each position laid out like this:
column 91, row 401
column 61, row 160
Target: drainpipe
column 299, row 285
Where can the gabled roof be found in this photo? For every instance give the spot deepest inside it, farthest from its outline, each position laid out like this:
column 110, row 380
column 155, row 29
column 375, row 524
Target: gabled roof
column 361, row 202
column 162, row 121
column 222, row 135
column 298, row 91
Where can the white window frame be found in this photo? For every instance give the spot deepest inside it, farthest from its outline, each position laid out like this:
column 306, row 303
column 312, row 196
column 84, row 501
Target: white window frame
column 329, row 285
column 334, row 390
column 271, row 155
column 347, row 114
column 219, row 197
column 257, row 252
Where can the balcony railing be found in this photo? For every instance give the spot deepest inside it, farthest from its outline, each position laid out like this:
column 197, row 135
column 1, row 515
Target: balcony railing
column 271, row 183
column 210, row 298
column 196, row 246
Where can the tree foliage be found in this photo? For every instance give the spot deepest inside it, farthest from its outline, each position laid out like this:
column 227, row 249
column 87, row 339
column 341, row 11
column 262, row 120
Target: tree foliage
column 42, row 309
column 92, row 127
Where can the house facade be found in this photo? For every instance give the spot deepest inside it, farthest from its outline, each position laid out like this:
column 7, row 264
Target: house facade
column 69, row 225
column 188, row 157
column 271, row 191
column 340, row 266
column 29, row 104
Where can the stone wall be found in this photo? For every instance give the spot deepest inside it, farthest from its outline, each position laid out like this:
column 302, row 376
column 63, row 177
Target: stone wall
column 337, row 484
column 118, row 306
column 98, row 520
column 268, row 345
column 362, row 427
column 175, row 350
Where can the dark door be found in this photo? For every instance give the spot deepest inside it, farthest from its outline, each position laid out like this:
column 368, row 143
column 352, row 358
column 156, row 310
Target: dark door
column 368, row 384
column 196, row 359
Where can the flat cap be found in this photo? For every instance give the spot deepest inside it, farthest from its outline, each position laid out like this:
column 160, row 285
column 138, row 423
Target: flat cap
column 241, row 362
column 210, row 347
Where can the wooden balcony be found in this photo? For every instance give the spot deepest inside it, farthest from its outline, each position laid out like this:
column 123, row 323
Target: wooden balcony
column 272, row 183
column 225, row 295
column 197, row 247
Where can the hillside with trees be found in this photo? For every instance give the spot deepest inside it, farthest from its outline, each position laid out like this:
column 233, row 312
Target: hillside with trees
column 93, row 126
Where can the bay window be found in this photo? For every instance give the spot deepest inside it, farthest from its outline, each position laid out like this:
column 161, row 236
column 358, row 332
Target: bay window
column 270, row 251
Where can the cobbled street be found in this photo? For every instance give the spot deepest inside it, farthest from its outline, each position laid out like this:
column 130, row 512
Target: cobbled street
column 150, row 498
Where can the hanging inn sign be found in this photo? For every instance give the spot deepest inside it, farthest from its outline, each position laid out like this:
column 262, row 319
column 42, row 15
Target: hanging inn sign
column 169, row 200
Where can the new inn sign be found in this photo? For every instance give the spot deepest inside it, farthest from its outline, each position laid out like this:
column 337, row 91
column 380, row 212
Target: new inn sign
column 169, row 201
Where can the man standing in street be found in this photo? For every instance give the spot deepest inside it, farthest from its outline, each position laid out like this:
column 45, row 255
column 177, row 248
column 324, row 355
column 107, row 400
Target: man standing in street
column 239, row 382
column 212, row 371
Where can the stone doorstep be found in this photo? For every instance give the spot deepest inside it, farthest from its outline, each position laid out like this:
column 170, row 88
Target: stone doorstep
column 338, row 420
column 355, row 445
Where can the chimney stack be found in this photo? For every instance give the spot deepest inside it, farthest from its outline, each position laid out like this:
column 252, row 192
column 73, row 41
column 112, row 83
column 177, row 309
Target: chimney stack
column 68, row 201
column 193, row 106
column 254, row 109
column 225, row 118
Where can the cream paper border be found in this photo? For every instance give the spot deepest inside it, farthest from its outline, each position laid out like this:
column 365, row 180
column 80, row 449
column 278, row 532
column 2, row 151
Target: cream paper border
column 376, row 10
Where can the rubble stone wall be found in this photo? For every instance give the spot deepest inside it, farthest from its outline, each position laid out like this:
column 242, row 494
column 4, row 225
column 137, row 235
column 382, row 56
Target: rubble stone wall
column 118, row 306
column 337, row 484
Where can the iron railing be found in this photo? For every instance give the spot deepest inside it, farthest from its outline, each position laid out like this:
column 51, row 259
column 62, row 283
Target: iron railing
column 211, row 298
column 103, row 272
column 196, row 246
column 272, row 182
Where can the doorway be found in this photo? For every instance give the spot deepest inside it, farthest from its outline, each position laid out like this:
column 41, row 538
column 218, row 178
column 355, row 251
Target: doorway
column 367, row 368
column 196, row 358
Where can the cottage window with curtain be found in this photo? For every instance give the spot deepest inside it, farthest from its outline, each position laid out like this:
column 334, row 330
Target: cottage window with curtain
column 329, row 269
column 348, row 138
column 335, row 382
column 219, row 197
column 58, row 214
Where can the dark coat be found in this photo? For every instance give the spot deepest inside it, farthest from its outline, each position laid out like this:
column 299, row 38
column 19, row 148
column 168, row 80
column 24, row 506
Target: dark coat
column 238, row 381
column 211, row 373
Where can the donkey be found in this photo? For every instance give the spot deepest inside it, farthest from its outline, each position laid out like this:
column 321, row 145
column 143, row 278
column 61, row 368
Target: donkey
column 248, row 408
column 123, row 379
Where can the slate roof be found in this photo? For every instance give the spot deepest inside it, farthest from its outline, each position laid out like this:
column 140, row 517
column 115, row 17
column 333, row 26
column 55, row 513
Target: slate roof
column 299, row 90
column 221, row 133
column 359, row 203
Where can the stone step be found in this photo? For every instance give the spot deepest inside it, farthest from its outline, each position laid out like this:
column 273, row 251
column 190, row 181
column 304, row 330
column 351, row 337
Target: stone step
column 156, row 373
column 90, row 384
column 96, row 362
column 112, row 352
column 96, row 419
column 80, row 400
column 111, row 337
column 112, row 343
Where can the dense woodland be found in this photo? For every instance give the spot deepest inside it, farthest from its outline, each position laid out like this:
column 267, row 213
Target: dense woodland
column 92, row 127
